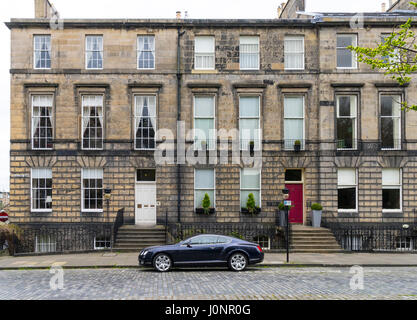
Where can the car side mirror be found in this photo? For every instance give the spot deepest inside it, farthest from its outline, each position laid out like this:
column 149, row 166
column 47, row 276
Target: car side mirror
column 188, row 245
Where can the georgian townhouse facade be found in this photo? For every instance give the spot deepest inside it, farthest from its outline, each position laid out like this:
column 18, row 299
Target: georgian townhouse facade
column 88, row 99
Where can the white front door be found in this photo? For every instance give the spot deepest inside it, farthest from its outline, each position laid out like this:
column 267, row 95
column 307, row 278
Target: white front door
column 145, row 208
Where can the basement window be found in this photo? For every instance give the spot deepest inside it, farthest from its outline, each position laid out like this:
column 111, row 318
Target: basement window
column 263, row 241
column 45, row 243
column 102, row 243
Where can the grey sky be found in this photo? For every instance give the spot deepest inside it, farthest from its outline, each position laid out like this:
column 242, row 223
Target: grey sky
column 232, row 9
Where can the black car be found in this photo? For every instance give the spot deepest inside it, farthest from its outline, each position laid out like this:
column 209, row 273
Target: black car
column 203, row 250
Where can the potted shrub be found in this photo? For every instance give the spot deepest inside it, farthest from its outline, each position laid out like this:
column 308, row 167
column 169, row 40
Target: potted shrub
column 316, row 215
column 297, row 145
column 205, row 206
column 251, row 207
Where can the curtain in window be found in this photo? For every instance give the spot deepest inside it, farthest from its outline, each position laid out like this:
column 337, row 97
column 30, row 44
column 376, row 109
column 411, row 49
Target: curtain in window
column 145, row 117
column 42, row 52
column 204, row 52
column 42, row 121
column 294, row 53
column 249, row 52
column 92, row 122
column 94, row 52
column 146, row 55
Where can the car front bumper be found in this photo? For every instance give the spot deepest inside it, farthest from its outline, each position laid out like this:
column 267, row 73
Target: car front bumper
column 145, row 260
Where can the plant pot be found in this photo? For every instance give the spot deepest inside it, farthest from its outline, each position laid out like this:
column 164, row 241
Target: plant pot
column 297, row 147
column 316, row 218
column 282, row 219
column 201, row 211
column 246, row 211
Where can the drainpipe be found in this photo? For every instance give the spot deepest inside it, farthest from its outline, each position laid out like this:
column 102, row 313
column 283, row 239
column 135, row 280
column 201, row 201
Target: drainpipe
column 179, row 79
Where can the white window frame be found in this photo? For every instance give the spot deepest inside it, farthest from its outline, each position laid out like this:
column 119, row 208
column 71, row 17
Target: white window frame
column 399, row 118
column 251, row 189
column 152, row 51
column 404, row 240
column 303, row 144
column 212, row 139
column 355, row 126
column 395, row 187
column 32, row 209
column 87, row 51
column 350, row 186
column 35, row 50
column 205, row 54
column 137, row 118
column 258, row 140
column 241, row 53
column 286, row 52
column 33, row 117
column 88, row 116
column 82, row 191
column 101, row 248
column 213, row 201
column 353, row 54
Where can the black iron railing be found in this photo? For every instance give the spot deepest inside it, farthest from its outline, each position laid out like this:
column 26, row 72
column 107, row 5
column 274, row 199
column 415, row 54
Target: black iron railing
column 388, row 233
column 58, row 238
column 376, row 237
column 118, row 222
column 249, row 232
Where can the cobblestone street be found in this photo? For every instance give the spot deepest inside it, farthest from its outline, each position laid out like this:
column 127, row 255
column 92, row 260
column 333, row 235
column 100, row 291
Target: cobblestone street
column 256, row 283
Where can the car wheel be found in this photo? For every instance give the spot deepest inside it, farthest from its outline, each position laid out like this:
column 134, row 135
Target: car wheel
column 238, row 262
column 162, row 262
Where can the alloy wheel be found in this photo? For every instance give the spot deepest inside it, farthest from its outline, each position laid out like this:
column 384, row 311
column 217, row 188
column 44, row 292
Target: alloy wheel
column 238, row 262
column 162, row 263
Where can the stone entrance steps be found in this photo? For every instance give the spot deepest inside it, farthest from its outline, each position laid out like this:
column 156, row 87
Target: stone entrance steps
column 135, row 238
column 313, row 240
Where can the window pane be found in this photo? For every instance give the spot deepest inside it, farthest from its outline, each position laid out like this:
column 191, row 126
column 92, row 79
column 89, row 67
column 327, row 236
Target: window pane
column 391, row 106
column 293, row 107
column 345, row 133
column 346, row 177
column 204, row 179
column 204, row 107
column 391, row 199
column 249, row 107
column 391, row 177
column 250, row 179
column 347, row 198
column 146, row 175
column 344, row 58
column 345, row 40
column 244, row 196
column 204, row 44
column 199, row 196
column 293, row 129
column 293, row 175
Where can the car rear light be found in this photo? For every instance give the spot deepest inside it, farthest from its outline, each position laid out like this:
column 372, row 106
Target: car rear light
column 259, row 248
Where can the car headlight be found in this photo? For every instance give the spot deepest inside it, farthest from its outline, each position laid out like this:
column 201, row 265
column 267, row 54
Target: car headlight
column 144, row 252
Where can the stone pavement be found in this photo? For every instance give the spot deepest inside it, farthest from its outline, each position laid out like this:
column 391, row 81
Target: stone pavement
column 108, row 260
column 254, row 284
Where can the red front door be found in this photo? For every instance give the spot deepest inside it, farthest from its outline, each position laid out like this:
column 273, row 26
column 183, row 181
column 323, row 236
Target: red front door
column 296, row 197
